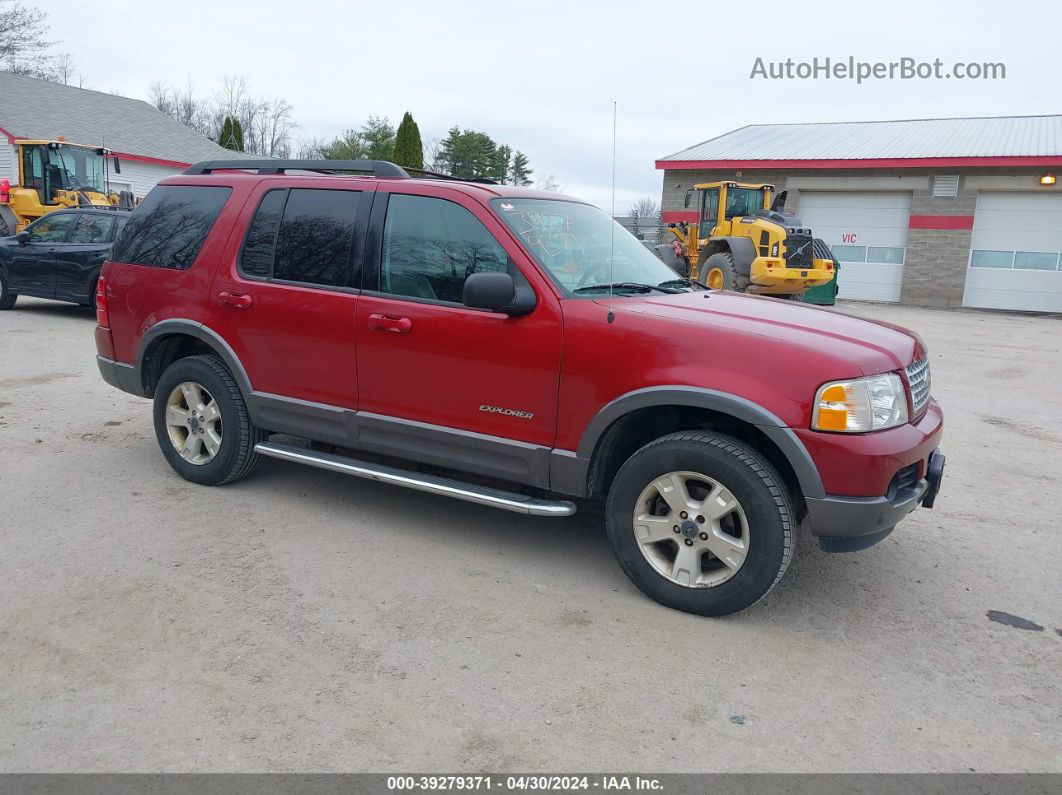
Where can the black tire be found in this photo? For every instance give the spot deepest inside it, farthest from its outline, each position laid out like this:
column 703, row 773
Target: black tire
column 749, row 477
column 5, row 230
column 236, row 457
column 7, row 298
column 724, row 261
column 789, row 296
column 92, row 293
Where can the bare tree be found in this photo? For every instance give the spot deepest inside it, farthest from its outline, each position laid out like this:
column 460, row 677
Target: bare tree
column 24, row 44
column 273, row 126
column 433, row 151
column 308, row 149
column 644, row 208
column 549, row 183
column 267, row 124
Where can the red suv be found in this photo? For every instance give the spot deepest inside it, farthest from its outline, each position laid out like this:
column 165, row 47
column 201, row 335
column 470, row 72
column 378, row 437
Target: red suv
column 524, row 336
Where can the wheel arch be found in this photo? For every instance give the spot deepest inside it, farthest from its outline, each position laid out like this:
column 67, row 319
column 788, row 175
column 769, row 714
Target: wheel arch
column 741, row 251
column 176, row 338
column 635, row 419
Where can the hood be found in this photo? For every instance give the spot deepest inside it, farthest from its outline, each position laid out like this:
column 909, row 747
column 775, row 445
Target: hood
column 871, row 347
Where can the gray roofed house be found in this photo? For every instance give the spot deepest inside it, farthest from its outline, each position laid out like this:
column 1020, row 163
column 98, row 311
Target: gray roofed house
column 150, row 144
column 1004, row 136
column 940, row 212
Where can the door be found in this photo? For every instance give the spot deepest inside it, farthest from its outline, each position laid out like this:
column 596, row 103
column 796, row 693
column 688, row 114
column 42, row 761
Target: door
column 441, row 382
column 33, row 264
column 867, row 233
column 1014, row 252
column 78, row 259
column 286, row 303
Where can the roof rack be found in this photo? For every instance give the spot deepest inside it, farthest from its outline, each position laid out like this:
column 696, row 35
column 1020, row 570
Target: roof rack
column 423, row 172
column 378, row 168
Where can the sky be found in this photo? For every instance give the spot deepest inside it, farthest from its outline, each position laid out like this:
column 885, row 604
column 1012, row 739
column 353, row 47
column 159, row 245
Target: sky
column 542, row 75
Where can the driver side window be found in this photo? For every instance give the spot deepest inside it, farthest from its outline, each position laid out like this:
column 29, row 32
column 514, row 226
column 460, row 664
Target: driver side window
column 51, row 229
column 430, row 246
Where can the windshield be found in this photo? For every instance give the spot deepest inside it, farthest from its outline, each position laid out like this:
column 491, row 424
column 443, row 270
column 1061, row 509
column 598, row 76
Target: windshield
column 77, row 168
column 583, row 249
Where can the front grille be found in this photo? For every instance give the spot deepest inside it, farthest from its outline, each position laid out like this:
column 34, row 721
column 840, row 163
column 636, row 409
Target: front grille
column 918, row 376
column 798, row 251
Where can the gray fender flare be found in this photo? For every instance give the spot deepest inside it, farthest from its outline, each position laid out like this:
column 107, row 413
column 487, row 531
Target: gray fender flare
column 738, row 407
column 201, row 332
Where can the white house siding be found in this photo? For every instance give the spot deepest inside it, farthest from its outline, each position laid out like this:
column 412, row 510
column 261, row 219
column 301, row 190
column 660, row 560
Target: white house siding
column 9, row 163
column 141, row 176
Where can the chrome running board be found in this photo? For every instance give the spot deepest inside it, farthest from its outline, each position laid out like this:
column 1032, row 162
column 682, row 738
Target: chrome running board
column 447, row 487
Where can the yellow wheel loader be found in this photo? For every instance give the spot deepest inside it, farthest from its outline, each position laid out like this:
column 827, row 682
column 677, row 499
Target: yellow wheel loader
column 54, row 175
column 744, row 241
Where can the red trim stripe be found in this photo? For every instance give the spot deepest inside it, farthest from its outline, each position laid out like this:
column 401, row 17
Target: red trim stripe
column 674, row 216
column 878, row 162
column 941, row 222
column 153, row 160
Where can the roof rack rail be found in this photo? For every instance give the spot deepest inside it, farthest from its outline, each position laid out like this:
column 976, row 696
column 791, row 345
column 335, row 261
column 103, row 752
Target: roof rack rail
column 378, row 168
column 423, row 172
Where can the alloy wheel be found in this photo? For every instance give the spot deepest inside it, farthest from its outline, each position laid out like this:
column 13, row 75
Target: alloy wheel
column 691, row 529
column 193, row 422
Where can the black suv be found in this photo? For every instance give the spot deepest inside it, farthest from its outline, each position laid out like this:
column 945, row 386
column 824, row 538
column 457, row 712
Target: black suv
column 59, row 256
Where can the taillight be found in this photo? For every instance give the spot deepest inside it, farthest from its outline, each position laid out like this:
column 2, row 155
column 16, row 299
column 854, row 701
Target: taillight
column 103, row 318
column 5, row 191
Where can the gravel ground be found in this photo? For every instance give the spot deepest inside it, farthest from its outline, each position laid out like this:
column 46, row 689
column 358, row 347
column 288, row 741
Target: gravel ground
column 301, row 620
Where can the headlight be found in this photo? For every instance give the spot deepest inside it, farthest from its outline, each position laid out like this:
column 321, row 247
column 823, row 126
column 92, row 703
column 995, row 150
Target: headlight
column 860, row 405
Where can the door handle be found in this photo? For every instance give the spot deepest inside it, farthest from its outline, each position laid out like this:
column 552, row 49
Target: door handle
column 391, row 323
column 234, row 300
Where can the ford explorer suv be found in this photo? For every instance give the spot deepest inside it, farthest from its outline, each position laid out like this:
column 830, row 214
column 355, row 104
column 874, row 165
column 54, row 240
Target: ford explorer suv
column 440, row 335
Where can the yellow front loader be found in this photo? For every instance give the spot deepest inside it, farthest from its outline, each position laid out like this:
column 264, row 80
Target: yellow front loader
column 54, row 175
column 744, row 241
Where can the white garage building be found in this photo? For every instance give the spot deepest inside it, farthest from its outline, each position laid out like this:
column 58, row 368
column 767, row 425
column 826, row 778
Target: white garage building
column 150, row 145
column 937, row 212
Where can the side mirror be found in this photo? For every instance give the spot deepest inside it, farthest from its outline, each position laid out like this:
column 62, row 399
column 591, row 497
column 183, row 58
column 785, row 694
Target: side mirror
column 23, row 238
column 117, row 165
column 689, row 198
column 497, row 292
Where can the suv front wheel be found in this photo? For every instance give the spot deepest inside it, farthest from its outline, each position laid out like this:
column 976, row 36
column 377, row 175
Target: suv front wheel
column 701, row 522
column 202, row 423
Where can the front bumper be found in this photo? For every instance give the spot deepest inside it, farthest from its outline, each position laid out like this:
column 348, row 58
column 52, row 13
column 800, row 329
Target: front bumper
column 846, row 524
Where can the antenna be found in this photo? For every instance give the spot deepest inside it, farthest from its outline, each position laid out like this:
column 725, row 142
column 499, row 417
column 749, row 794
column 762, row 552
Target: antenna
column 612, row 241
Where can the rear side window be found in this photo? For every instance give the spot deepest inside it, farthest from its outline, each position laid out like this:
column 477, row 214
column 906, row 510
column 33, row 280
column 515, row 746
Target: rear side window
column 91, row 228
column 167, row 230
column 302, row 235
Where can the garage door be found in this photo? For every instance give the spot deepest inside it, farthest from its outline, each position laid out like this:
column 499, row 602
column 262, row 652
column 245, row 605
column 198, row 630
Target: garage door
column 868, row 235
column 1014, row 253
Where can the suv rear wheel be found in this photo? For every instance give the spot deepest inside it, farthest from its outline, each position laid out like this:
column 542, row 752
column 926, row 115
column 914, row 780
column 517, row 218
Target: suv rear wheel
column 202, row 424
column 701, row 522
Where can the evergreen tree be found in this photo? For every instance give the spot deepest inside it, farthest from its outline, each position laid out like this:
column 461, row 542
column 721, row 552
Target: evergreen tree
column 519, row 173
column 409, row 151
column 499, row 165
column 378, row 137
column 231, row 134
